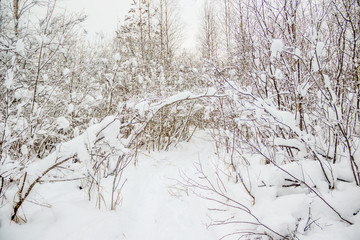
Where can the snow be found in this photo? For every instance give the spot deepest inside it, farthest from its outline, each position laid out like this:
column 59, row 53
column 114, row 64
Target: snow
column 142, row 107
column 320, row 49
column 252, row 166
column 327, row 81
column 9, row 78
column 76, row 132
column 89, row 99
column 303, row 88
column 140, row 79
column 134, row 62
column 66, row 71
column 45, row 77
column 179, row 96
column 297, row 53
column 156, row 205
column 153, row 206
column 211, row 91
column 276, row 48
column 24, row 150
column 20, row 47
column 62, row 123
column 316, row 66
column 160, row 207
column 21, row 124
column 21, row 94
column 278, row 74
column 71, row 108
column 116, row 57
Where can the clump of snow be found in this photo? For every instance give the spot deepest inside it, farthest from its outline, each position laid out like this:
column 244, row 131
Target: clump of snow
column 70, row 108
column 177, row 97
column 140, row 79
column 45, row 77
column 9, row 78
column 327, row 81
column 20, row 47
column 263, row 77
column 134, row 62
column 211, row 91
column 320, row 49
column 303, row 88
column 278, row 74
column 66, row 71
column 142, row 107
column 110, row 129
column 276, row 48
column 21, row 124
column 89, row 99
column 62, row 123
column 297, row 53
column 24, row 150
column 22, row 94
column 116, row 57
column 76, row 132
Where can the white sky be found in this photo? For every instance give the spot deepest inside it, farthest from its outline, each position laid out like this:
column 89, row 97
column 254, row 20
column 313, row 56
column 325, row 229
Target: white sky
column 104, row 15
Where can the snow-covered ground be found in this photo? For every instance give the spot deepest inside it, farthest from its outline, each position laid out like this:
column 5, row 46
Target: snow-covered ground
column 155, row 206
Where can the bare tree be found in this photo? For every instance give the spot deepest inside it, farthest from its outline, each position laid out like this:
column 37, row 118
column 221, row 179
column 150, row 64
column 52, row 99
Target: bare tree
column 209, row 32
column 170, row 28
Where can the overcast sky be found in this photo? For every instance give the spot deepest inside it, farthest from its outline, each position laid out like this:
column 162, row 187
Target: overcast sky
column 104, row 15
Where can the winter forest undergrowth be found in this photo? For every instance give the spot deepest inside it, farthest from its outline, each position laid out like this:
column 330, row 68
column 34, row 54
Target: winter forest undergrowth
column 253, row 135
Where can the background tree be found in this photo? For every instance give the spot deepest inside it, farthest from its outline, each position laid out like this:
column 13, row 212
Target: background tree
column 209, row 32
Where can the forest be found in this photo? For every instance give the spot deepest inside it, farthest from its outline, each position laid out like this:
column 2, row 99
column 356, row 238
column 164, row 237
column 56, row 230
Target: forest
column 255, row 134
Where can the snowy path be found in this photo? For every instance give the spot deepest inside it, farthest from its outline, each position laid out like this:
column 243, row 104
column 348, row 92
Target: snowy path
column 158, row 208
column 152, row 208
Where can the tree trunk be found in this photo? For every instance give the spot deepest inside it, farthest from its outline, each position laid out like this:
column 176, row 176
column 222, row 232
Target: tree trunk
column 141, row 31
column 16, row 16
column 161, row 29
